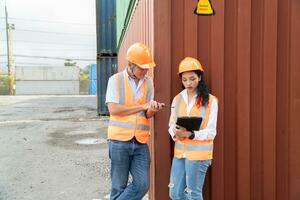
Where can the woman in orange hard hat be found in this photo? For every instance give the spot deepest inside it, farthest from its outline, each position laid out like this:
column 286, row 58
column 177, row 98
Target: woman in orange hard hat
column 130, row 103
column 193, row 149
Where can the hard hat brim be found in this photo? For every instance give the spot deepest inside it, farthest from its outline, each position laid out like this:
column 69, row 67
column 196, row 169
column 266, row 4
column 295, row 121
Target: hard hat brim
column 190, row 71
column 147, row 66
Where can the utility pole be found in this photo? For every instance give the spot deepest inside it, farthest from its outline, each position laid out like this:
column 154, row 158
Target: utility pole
column 11, row 68
column 7, row 42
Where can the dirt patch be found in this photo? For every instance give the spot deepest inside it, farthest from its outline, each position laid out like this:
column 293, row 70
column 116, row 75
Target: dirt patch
column 52, row 147
column 64, row 138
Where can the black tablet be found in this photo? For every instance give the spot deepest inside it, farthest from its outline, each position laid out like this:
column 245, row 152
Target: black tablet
column 190, row 123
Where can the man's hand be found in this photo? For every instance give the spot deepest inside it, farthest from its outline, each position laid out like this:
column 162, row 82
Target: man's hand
column 156, row 106
column 153, row 107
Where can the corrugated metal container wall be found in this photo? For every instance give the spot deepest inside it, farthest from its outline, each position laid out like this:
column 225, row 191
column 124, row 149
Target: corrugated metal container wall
column 250, row 50
column 106, row 27
column 107, row 66
column 140, row 29
column 121, row 12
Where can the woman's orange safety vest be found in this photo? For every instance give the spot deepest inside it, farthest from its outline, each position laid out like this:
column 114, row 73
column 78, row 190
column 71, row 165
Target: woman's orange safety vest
column 124, row 128
column 193, row 149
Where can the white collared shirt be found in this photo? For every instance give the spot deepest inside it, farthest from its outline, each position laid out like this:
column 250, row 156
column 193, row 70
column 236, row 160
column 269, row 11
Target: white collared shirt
column 207, row 133
column 111, row 91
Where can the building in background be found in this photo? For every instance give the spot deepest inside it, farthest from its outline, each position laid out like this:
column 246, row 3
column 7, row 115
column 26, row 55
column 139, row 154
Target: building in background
column 250, row 52
column 47, row 80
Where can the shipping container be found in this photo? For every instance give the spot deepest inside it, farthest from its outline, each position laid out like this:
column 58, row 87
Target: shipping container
column 106, row 27
column 93, row 87
column 47, row 87
column 93, row 72
column 140, row 29
column 106, row 67
column 47, row 73
column 250, row 52
column 123, row 12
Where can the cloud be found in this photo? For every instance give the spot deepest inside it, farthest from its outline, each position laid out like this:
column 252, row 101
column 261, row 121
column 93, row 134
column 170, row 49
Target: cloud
column 58, row 28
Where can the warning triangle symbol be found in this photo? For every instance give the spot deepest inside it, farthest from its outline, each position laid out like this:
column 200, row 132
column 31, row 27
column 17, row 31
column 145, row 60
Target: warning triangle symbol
column 204, row 8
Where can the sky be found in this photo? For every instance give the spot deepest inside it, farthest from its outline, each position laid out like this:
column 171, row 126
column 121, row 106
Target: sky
column 49, row 31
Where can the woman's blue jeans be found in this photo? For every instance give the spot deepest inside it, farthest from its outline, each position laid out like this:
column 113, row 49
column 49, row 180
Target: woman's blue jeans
column 133, row 158
column 187, row 178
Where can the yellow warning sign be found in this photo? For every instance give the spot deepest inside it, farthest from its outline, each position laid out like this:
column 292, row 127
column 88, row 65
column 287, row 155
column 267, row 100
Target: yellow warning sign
column 204, row 8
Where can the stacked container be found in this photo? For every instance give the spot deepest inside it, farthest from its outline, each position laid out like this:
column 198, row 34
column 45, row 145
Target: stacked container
column 106, row 48
column 93, row 80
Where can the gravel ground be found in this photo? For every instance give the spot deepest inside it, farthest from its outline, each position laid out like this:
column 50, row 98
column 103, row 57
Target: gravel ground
column 52, row 147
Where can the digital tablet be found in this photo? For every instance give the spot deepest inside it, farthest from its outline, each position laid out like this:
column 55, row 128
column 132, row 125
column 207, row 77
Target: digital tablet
column 190, row 123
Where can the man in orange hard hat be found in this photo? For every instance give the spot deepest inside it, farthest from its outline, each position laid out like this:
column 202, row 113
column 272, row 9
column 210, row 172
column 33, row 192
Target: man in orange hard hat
column 130, row 103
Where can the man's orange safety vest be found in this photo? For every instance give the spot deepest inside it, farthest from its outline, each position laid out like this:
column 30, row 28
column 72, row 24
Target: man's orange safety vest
column 193, row 149
column 124, row 128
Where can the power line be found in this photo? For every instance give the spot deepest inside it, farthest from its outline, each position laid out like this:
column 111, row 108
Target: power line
column 48, row 21
column 27, row 49
column 50, row 32
column 49, row 57
column 21, row 48
column 24, row 63
column 52, row 43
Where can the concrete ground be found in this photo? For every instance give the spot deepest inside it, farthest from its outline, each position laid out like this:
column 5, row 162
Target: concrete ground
column 52, row 147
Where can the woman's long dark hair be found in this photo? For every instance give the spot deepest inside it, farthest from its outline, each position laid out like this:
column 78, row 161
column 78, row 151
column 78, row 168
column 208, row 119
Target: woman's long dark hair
column 202, row 90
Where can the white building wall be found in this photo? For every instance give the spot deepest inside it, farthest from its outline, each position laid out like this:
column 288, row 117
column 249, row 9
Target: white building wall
column 47, row 73
column 47, row 87
column 47, row 80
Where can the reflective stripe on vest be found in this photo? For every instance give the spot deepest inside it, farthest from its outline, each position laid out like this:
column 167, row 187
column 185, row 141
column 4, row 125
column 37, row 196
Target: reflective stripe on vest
column 193, row 149
column 123, row 128
column 121, row 89
column 202, row 147
column 129, row 125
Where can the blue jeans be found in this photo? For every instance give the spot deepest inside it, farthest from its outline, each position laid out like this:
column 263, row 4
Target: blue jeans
column 133, row 158
column 187, row 178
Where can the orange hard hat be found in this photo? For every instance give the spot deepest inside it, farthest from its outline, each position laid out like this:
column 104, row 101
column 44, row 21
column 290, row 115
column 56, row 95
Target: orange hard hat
column 140, row 55
column 189, row 64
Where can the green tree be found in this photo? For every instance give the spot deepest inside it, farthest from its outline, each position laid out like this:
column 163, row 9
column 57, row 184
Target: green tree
column 84, row 80
column 4, row 84
column 86, row 70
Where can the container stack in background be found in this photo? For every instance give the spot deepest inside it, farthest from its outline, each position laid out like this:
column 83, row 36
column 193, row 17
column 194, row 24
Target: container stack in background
column 106, row 48
column 93, row 80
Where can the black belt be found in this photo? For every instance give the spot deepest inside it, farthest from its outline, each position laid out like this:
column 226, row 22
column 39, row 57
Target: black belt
column 135, row 140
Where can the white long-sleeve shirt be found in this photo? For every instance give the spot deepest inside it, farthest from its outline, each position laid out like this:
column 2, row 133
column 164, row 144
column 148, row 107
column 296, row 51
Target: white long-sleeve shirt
column 207, row 133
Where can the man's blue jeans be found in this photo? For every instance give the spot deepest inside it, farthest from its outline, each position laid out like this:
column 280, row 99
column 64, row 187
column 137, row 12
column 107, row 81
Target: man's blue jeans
column 133, row 158
column 187, row 178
